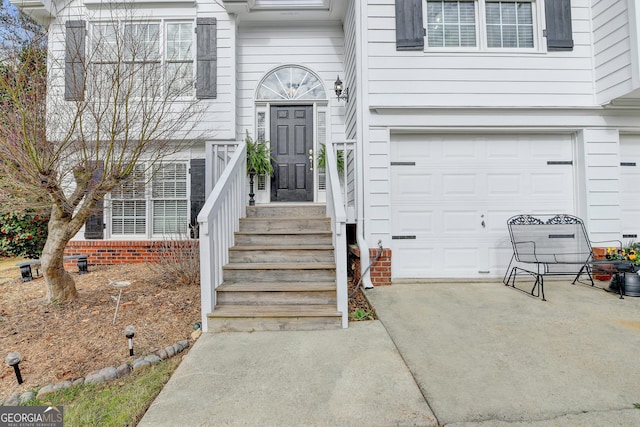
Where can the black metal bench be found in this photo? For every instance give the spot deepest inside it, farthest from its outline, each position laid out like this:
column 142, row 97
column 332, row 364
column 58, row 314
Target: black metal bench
column 25, row 266
column 544, row 245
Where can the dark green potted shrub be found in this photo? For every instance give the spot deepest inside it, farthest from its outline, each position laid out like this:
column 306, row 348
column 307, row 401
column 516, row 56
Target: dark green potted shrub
column 258, row 162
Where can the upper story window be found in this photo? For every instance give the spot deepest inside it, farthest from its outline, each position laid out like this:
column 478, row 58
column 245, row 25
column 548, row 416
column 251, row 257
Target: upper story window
column 509, row 24
column 480, row 23
column 144, row 54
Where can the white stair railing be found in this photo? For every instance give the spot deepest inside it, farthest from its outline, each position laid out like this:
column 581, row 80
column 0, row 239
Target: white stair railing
column 337, row 214
column 218, row 220
column 348, row 176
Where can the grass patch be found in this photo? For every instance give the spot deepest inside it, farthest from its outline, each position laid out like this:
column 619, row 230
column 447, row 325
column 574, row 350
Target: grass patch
column 120, row 402
column 636, row 405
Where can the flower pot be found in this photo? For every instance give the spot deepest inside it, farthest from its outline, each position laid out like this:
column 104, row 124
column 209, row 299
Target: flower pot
column 631, row 284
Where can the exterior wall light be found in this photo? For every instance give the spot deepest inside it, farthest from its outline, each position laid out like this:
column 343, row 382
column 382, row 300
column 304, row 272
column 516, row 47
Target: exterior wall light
column 341, row 91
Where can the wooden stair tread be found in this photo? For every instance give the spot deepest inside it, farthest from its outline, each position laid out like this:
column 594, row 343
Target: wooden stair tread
column 285, row 232
column 277, row 287
column 280, row 266
column 284, row 247
column 285, row 218
column 308, row 310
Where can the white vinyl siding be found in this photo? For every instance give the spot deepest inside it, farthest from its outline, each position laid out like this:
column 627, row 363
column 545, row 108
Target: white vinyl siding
column 613, row 45
column 262, row 48
column 497, row 77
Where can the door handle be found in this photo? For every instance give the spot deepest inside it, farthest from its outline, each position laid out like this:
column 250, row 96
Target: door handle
column 310, row 162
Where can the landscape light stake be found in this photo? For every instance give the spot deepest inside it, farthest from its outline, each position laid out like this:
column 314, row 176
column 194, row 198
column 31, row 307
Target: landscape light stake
column 129, row 332
column 13, row 359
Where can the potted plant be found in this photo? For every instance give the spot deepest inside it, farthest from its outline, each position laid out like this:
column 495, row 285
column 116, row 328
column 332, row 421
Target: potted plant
column 258, row 162
column 630, row 254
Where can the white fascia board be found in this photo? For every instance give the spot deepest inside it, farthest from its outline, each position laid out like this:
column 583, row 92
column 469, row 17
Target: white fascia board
column 145, row 3
column 40, row 10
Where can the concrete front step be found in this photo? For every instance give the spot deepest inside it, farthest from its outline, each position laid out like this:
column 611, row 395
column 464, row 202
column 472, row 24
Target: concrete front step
column 280, row 293
column 286, row 254
column 283, row 238
column 279, row 272
column 248, row 318
column 287, row 210
column 285, row 224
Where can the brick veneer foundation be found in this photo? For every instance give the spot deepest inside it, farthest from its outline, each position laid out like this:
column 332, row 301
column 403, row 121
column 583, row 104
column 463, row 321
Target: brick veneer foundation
column 380, row 272
column 108, row 252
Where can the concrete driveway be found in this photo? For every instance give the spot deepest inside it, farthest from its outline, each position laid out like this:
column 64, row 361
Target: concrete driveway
column 486, row 354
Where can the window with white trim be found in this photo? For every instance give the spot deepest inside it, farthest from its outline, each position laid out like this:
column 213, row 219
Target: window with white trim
column 492, row 24
column 169, row 199
column 129, row 206
column 509, row 24
column 152, row 206
column 143, row 54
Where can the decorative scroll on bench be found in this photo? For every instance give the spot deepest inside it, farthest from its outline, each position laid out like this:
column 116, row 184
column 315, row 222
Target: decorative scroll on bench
column 545, row 245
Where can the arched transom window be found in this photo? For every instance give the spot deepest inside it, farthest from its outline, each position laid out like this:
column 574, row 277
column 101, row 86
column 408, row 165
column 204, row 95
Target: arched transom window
column 289, row 83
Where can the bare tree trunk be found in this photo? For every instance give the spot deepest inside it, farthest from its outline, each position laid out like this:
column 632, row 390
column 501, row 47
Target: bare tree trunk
column 60, row 285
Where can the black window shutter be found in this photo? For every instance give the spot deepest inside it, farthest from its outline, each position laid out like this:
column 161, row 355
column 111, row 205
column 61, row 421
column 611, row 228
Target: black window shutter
column 409, row 25
column 206, row 58
column 198, row 196
column 94, row 226
column 559, row 33
column 74, row 61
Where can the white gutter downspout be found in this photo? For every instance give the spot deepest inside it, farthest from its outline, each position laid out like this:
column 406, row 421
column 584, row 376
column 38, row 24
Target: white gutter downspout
column 360, row 166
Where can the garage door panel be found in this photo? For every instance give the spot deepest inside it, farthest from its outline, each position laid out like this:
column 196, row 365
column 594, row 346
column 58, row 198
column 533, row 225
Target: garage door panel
column 411, row 260
column 412, row 185
column 460, row 150
column 458, row 258
column 457, row 222
column 503, row 150
column 413, row 221
column 456, row 184
column 473, row 179
column 502, row 184
column 549, row 183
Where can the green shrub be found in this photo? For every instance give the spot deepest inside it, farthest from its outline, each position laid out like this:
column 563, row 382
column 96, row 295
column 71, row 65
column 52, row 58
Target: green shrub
column 22, row 234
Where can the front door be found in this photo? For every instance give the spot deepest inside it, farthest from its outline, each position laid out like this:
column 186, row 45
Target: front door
column 292, row 149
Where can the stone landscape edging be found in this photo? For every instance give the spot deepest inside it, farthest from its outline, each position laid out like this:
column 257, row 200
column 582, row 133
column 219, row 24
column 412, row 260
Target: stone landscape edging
column 102, row 375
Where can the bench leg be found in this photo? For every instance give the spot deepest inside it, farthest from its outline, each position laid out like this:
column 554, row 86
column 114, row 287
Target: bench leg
column 26, row 273
column 82, row 266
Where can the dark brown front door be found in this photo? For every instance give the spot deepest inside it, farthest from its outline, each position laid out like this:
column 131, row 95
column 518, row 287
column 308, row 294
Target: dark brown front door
column 292, row 142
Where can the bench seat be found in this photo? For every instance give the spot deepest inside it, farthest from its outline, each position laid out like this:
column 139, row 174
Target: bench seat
column 551, row 244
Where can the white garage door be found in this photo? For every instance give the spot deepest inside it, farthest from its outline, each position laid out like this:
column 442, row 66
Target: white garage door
column 451, row 196
column 630, row 186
